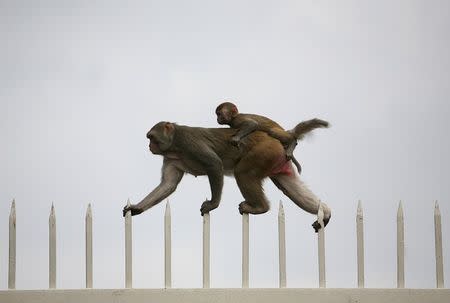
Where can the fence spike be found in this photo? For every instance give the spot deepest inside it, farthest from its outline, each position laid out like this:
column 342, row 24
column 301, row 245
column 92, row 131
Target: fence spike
column 89, row 255
column 245, row 250
column 128, row 248
column 12, row 247
column 360, row 243
column 321, row 246
column 282, row 245
column 400, row 247
column 167, row 247
column 438, row 247
column 52, row 247
column 206, row 250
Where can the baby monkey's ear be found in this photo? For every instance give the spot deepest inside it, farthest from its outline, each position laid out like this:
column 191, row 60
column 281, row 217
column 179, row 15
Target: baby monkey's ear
column 169, row 128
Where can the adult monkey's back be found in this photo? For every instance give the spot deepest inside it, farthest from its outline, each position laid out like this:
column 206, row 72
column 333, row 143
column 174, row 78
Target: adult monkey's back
column 206, row 151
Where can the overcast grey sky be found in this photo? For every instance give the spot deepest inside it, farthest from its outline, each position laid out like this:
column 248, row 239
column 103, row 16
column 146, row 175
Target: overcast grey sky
column 81, row 83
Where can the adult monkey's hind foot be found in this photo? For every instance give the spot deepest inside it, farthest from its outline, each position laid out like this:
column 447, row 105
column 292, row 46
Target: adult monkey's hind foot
column 296, row 190
column 247, row 208
column 317, row 226
column 207, row 206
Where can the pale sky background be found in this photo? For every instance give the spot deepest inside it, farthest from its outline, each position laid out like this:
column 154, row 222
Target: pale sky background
column 82, row 82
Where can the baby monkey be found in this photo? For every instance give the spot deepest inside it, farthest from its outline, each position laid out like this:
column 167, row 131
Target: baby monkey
column 227, row 113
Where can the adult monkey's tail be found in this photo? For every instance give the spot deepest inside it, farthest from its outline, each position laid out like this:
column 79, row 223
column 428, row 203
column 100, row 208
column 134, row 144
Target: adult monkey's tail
column 301, row 129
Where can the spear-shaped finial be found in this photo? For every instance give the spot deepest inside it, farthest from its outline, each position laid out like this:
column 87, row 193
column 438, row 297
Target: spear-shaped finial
column 89, row 211
column 281, row 210
column 320, row 215
column 167, row 212
column 400, row 210
column 437, row 212
column 359, row 210
column 12, row 214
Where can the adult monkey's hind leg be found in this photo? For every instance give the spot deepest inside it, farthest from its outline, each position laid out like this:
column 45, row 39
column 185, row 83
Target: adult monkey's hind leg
column 249, row 181
column 296, row 190
column 252, row 169
column 255, row 199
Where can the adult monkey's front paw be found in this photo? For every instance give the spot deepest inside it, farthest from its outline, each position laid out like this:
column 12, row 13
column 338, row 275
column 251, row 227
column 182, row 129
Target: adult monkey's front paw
column 207, row 206
column 135, row 210
column 244, row 208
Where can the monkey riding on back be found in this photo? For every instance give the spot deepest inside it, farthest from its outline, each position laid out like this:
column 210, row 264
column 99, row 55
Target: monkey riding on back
column 228, row 114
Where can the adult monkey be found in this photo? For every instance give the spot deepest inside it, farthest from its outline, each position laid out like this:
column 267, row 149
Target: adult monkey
column 206, row 151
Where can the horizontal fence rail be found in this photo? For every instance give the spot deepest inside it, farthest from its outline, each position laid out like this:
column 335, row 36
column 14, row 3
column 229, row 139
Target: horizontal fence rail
column 434, row 296
column 241, row 295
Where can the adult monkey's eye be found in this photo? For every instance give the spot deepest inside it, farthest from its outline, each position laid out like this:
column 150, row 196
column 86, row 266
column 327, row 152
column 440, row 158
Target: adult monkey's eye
column 153, row 139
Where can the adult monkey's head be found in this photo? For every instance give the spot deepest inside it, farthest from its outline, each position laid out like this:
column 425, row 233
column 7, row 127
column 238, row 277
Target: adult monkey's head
column 226, row 112
column 161, row 137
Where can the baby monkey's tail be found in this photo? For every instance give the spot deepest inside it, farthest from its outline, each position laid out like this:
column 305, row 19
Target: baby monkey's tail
column 301, row 129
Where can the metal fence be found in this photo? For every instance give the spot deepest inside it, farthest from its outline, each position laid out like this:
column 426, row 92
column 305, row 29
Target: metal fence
column 194, row 295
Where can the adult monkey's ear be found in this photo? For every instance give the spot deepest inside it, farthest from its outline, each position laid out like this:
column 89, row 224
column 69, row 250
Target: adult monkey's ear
column 169, row 128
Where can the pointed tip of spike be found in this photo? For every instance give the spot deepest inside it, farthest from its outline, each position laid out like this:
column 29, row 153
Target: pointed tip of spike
column 281, row 209
column 52, row 216
column 89, row 210
column 400, row 210
column 167, row 207
column 12, row 213
column 437, row 212
column 320, row 214
column 359, row 210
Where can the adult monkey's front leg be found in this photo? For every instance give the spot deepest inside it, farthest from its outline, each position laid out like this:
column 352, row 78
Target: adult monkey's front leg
column 170, row 177
column 214, row 170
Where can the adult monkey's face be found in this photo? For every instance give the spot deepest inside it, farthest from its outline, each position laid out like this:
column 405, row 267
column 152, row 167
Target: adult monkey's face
column 161, row 137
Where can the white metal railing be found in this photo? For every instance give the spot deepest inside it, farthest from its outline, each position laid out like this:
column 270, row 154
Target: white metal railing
column 245, row 248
